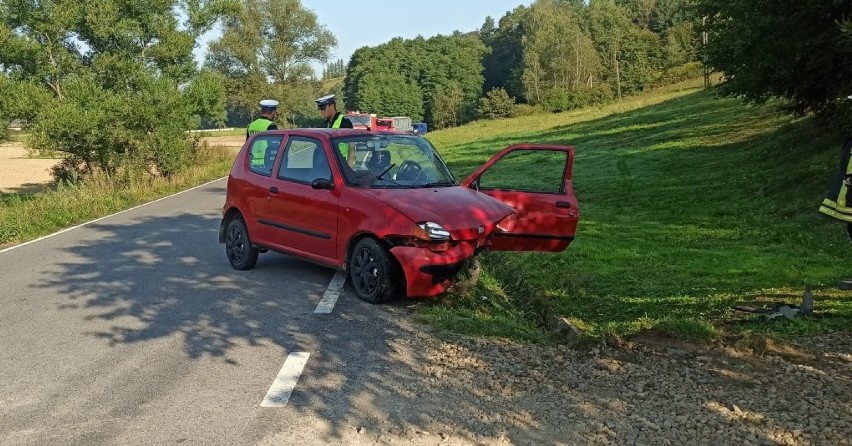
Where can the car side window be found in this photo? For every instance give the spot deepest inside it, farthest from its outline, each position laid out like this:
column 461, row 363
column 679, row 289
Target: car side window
column 262, row 154
column 304, row 161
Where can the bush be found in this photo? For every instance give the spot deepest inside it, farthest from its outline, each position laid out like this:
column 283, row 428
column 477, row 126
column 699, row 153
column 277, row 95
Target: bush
column 496, row 104
column 558, row 99
column 689, row 70
column 528, row 110
column 107, row 131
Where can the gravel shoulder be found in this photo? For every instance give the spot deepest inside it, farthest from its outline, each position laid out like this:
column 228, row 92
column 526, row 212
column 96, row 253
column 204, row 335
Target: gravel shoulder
column 474, row 391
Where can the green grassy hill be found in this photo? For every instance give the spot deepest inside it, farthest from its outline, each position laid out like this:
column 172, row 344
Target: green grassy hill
column 689, row 204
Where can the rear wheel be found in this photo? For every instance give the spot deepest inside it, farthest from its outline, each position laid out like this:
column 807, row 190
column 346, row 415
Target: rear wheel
column 372, row 272
column 241, row 254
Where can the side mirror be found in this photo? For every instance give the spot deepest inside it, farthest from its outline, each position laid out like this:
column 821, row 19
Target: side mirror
column 322, row 183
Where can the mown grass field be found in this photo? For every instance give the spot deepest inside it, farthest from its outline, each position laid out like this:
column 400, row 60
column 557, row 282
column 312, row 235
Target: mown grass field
column 689, row 205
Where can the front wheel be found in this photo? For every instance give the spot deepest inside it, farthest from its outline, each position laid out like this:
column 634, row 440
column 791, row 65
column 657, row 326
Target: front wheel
column 241, row 254
column 372, row 272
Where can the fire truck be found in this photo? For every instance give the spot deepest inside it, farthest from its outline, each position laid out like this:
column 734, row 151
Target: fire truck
column 362, row 120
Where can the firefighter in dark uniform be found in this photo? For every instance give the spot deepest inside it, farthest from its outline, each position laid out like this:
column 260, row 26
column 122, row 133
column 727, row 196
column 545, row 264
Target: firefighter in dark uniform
column 266, row 121
column 838, row 203
column 336, row 120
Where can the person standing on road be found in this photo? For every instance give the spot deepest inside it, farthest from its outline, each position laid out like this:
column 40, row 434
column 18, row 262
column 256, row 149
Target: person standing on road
column 266, row 121
column 336, row 120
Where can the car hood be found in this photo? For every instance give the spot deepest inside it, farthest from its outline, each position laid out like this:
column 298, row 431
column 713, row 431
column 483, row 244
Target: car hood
column 465, row 213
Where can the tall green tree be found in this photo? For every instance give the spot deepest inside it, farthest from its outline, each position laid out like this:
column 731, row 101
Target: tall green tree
column 503, row 63
column 403, row 77
column 334, row 70
column 110, row 82
column 792, row 49
column 560, row 60
column 6, row 91
column 266, row 50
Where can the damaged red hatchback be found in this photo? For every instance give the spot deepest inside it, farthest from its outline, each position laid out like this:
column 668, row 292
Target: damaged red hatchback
column 391, row 213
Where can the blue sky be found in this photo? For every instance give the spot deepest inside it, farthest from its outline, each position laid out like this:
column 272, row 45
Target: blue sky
column 358, row 23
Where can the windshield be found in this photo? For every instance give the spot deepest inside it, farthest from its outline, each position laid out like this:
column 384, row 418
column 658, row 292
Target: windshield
column 394, row 161
column 359, row 120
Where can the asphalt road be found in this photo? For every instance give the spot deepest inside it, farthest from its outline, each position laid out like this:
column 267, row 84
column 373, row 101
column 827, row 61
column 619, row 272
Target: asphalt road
column 134, row 329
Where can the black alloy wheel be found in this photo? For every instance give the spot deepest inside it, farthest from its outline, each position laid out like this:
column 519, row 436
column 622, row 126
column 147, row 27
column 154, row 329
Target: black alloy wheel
column 372, row 273
column 241, row 254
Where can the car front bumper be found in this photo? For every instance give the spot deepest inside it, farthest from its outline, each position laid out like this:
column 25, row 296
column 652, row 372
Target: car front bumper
column 429, row 273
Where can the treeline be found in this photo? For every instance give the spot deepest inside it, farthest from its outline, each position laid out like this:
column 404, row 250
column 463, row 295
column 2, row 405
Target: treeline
column 114, row 84
column 556, row 55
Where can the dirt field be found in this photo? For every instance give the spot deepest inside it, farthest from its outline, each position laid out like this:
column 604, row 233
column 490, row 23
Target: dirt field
column 19, row 174
column 23, row 175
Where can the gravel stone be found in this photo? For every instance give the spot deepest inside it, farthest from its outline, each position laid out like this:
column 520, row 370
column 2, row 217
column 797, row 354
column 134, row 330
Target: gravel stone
column 484, row 391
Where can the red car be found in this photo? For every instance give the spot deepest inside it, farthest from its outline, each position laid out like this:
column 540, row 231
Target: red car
column 396, row 218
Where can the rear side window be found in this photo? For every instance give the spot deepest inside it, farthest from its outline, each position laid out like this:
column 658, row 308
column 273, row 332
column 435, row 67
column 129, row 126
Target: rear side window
column 262, row 154
column 304, row 161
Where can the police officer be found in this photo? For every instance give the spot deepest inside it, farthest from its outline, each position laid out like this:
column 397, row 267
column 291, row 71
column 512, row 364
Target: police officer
column 268, row 110
column 336, row 120
column 333, row 118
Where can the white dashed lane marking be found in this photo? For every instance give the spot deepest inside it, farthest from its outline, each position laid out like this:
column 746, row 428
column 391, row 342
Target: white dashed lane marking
column 281, row 389
column 332, row 293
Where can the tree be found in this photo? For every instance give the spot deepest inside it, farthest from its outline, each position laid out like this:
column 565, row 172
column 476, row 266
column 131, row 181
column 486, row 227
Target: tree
column 788, row 49
column 334, row 70
column 405, row 76
column 559, row 57
column 266, row 50
column 111, row 85
column 5, row 94
column 496, row 104
column 503, row 63
column 447, row 105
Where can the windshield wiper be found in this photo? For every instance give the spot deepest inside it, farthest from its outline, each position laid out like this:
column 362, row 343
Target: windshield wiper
column 439, row 183
column 379, row 176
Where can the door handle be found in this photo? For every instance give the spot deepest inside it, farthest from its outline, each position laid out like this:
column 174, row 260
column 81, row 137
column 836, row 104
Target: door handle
column 563, row 204
column 273, row 190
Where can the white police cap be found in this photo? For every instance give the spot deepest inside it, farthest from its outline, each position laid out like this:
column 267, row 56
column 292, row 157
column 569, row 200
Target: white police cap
column 269, row 103
column 325, row 100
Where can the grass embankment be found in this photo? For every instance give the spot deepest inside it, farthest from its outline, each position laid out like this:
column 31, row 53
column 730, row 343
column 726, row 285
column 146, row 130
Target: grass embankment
column 689, row 204
column 26, row 217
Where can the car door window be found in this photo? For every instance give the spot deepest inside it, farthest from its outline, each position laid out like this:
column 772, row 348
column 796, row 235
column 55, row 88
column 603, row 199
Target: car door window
column 540, row 171
column 304, row 161
column 262, row 154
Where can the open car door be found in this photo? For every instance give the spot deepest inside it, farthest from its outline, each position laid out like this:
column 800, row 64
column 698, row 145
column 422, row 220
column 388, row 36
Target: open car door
column 535, row 180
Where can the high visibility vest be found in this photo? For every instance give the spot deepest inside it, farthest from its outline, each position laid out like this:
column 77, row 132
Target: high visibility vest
column 337, row 122
column 343, row 147
column 258, row 150
column 838, row 203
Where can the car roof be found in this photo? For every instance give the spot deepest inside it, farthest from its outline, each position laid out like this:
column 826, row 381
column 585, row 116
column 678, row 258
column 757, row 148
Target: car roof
column 336, row 132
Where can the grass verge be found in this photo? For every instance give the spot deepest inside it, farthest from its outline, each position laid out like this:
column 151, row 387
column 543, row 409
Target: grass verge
column 26, row 217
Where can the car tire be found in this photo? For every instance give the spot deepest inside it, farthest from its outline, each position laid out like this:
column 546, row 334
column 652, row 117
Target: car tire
column 242, row 255
column 372, row 272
